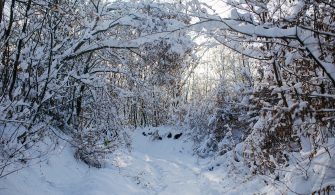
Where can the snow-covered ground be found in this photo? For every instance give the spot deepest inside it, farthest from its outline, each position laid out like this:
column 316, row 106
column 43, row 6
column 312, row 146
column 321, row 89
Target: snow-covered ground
column 164, row 166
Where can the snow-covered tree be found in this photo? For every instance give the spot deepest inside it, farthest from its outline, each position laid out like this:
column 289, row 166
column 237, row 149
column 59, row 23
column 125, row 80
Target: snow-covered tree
column 293, row 97
column 59, row 63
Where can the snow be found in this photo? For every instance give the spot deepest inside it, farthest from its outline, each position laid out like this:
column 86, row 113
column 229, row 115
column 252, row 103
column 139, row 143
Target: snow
column 318, row 176
column 261, row 31
column 152, row 167
column 163, row 167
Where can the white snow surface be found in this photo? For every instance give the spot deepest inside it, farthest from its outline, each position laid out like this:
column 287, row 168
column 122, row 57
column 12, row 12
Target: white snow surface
column 151, row 167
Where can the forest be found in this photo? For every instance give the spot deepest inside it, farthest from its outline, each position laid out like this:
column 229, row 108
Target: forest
column 167, row 97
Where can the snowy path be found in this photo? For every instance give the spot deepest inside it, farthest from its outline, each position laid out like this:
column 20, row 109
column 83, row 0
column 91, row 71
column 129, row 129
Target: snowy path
column 167, row 167
column 159, row 167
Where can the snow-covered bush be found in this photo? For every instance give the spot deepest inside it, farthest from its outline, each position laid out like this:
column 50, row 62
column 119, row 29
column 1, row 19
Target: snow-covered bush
column 291, row 45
